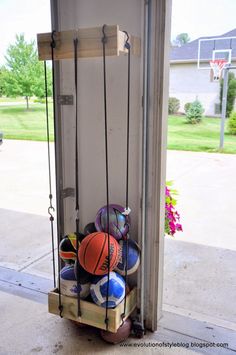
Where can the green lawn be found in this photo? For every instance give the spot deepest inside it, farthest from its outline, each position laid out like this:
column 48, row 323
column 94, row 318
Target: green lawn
column 18, row 123
column 202, row 137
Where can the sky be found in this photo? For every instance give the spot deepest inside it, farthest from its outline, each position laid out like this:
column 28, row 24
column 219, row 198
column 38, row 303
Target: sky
column 196, row 17
column 202, row 17
column 22, row 16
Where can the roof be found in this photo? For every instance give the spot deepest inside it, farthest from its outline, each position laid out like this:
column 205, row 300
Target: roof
column 189, row 51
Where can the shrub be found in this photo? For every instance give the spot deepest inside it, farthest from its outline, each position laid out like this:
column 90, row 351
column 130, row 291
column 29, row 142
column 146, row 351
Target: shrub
column 230, row 95
column 232, row 123
column 40, row 100
column 194, row 113
column 187, row 106
column 173, row 105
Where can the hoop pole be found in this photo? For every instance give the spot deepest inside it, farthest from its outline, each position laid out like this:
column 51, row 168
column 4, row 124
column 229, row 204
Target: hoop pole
column 224, row 105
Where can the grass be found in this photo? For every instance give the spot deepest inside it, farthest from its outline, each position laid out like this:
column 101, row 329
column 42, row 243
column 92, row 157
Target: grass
column 202, row 137
column 18, row 123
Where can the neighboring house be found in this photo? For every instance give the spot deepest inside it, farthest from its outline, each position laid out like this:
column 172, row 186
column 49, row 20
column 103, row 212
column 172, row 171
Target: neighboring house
column 187, row 82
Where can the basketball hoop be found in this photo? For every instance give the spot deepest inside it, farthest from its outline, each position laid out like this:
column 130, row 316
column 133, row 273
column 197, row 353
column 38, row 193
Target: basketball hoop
column 217, row 67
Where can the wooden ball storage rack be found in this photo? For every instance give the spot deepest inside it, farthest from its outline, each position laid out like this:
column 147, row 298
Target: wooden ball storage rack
column 90, row 45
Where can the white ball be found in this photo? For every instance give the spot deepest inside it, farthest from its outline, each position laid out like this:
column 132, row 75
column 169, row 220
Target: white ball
column 116, row 289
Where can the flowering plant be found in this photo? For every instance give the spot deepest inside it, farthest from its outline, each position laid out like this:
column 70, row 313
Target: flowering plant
column 172, row 217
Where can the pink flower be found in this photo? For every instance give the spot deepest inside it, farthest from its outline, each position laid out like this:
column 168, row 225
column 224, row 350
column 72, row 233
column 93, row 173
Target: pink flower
column 172, row 216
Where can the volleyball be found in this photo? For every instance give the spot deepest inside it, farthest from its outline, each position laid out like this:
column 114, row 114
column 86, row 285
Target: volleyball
column 116, row 290
column 69, row 284
column 67, row 248
column 118, row 221
column 93, row 253
column 133, row 257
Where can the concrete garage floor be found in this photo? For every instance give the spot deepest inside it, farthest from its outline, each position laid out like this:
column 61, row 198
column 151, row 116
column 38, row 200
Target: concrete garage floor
column 199, row 282
column 31, row 330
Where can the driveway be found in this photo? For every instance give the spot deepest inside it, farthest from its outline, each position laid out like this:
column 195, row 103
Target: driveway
column 24, row 176
column 24, row 224
column 207, row 195
column 205, row 182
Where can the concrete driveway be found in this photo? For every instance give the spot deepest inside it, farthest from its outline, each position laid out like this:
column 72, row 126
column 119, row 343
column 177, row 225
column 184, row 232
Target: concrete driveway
column 23, row 207
column 24, row 176
column 207, row 195
column 205, row 182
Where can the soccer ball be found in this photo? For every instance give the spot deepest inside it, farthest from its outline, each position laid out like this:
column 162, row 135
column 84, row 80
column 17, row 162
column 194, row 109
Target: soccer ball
column 116, row 291
column 133, row 259
column 69, row 283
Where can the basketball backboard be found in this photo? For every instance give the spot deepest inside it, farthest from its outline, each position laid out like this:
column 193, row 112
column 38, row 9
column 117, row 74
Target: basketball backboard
column 215, row 48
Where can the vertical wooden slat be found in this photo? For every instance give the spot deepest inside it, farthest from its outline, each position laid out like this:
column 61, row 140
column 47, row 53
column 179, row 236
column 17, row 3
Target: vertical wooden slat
column 156, row 174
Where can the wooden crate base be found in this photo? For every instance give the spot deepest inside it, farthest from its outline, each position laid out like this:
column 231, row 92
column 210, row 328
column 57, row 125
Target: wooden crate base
column 91, row 313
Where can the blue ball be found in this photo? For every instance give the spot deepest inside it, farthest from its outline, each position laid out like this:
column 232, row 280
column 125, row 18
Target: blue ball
column 69, row 283
column 133, row 259
column 116, row 290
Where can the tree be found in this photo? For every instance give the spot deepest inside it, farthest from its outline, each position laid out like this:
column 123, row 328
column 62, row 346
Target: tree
column 24, row 74
column 232, row 123
column 230, row 95
column 2, row 72
column 181, row 39
column 194, row 112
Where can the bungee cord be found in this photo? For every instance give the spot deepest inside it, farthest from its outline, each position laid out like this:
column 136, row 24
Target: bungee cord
column 77, row 220
column 104, row 42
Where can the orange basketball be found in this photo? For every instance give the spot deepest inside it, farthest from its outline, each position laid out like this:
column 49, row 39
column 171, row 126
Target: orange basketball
column 93, row 253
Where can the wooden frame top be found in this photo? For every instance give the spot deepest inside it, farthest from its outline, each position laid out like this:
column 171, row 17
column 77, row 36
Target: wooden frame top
column 89, row 45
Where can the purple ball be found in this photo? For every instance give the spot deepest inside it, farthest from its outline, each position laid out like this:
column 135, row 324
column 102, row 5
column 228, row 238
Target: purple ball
column 118, row 222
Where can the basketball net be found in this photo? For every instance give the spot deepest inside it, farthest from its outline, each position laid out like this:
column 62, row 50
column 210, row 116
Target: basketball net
column 217, row 67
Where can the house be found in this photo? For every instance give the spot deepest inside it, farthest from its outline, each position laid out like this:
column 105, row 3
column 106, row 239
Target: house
column 187, row 82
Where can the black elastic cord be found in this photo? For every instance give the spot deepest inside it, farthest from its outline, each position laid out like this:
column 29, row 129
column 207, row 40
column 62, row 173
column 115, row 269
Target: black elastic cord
column 53, row 46
column 126, row 238
column 104, row 41
column 77, row 172
column 51, row 209
column 127, row 45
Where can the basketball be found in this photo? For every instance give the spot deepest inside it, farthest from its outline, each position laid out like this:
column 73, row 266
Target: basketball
column 121, row 335
column 69, row 283
column 116, row 290
column 93, row 253
column 67, row 248
column 118, row 221
column 133, row 258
